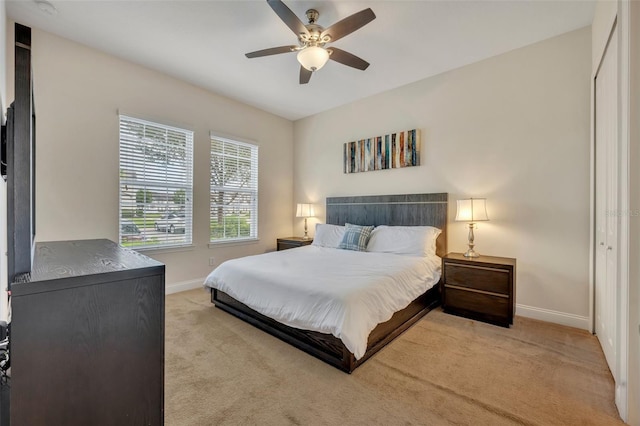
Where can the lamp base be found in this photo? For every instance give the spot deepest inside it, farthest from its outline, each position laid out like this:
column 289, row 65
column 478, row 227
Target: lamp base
column 306, row 236
column 471, row 253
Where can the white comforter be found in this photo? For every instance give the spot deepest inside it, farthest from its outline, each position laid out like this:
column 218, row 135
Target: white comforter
column 341, row 292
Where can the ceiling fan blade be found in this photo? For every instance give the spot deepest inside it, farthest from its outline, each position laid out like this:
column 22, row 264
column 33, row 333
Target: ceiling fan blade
column 347, row 59
column 271, row 51
column 349, row 24
column 305, row 75
column 288, row 17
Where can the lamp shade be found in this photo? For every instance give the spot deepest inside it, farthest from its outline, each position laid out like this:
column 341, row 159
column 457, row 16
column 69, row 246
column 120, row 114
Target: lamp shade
column 313, row 57
column 472, row 210
column 304, row 210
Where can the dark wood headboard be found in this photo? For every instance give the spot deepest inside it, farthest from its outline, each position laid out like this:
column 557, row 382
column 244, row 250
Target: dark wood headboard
column 398, row 210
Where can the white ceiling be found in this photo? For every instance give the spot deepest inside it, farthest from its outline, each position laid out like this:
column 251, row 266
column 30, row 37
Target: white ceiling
column 204, row 42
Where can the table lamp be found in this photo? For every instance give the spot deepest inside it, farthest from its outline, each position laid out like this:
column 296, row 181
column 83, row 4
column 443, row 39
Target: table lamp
column 472, row 210
column 305, row 210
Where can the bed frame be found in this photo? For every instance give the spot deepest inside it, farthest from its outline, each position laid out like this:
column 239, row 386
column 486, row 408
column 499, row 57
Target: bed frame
column 407, row 210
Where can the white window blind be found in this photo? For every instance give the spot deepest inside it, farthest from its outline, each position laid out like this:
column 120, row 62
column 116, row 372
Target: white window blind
column 156, row 184
column 234, row 190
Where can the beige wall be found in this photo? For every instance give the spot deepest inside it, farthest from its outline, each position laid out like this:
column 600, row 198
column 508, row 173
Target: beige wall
column 78, row 94
column 513, row 128
column 634, row 275
column 603, row 17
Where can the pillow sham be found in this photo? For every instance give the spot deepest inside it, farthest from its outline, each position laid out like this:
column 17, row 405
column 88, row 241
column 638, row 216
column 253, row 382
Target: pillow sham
column 356, row 237
column 328, row 235
column 404, row 240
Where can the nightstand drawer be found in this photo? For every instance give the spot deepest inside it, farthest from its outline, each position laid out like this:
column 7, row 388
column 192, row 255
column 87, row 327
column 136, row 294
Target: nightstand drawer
column 292, row 242
column 478, row 277
column 282, row 245
column 481, row 288
column 476, row 304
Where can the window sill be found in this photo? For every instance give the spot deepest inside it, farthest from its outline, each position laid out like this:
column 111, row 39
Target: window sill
column 162, row 250
column 234, row 242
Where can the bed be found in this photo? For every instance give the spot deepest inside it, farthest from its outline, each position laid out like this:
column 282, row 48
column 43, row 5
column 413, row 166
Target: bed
column 343, row 352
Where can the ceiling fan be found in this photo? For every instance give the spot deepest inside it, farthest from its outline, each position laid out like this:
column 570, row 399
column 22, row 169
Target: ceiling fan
column 312, row 39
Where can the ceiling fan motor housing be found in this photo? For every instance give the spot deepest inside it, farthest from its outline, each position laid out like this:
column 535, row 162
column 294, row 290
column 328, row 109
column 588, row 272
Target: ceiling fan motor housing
column 312, row 15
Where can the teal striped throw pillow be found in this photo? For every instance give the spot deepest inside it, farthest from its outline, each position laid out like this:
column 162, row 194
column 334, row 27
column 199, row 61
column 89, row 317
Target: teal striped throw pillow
column 356, row 237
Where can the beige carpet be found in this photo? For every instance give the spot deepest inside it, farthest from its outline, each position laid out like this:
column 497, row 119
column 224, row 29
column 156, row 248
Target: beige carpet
column 444, row 370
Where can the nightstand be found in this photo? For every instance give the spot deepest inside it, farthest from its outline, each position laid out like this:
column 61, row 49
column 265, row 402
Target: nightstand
column 481, row 288
column 292, row 242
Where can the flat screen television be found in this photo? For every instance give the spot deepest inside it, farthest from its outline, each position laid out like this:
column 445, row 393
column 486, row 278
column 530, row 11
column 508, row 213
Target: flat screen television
column 18, row 163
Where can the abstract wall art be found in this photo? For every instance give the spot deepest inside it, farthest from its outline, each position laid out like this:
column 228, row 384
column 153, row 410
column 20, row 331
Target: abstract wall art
column 393, row 151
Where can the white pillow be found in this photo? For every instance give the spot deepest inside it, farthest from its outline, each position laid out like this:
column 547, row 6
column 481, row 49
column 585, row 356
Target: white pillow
column 405, row 240
column 328, row 235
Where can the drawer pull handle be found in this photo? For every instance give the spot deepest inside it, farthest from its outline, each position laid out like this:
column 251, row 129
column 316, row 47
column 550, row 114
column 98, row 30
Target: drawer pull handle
column 504, row 271
column 473, row 290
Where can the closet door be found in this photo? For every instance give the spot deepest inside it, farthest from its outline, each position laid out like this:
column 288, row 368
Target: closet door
column 606, row 203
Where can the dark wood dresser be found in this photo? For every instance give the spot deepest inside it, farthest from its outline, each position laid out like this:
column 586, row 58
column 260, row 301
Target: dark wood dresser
column 481, row 288
column 87, row 337
column 292, row 242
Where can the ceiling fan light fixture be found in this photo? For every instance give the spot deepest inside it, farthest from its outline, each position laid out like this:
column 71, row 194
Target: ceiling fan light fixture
column 313, row 57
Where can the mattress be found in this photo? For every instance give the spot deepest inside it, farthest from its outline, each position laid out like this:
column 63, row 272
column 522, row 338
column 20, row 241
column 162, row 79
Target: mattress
column 340, row 292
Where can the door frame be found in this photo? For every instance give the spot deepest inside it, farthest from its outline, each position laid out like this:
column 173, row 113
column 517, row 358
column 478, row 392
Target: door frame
column 623, row 211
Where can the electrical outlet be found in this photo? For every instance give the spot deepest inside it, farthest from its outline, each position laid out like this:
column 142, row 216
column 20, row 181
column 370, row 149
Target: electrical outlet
column 212, row 261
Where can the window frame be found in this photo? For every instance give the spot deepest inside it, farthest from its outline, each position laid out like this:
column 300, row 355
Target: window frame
column 166, row 243
column 253, row 191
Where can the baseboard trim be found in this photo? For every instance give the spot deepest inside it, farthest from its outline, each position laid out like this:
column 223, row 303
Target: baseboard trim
column 557, row 317
column 184, row 286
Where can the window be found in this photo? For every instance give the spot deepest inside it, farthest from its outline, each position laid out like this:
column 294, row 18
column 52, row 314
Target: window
column 234, row 190
column 156, row 184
